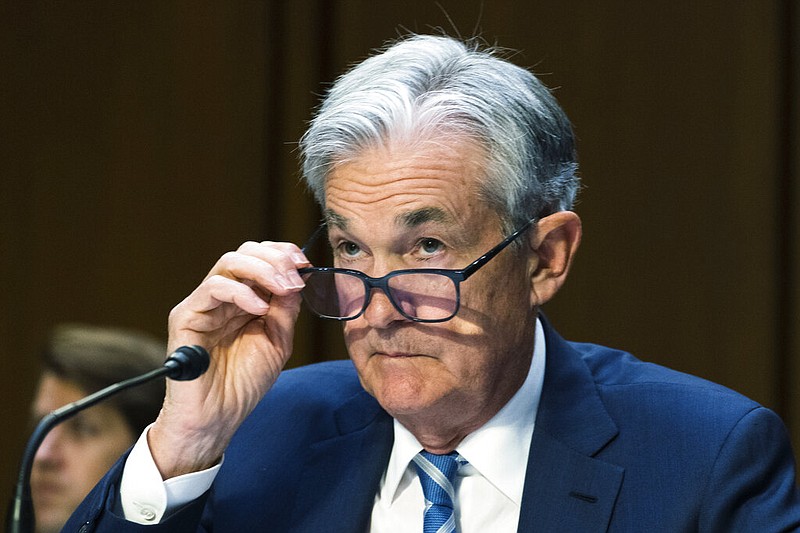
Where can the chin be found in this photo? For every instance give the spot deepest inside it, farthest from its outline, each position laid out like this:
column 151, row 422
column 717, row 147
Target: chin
column 404, row 386
column 402, row 406
column 405, row 397
column 53, row 522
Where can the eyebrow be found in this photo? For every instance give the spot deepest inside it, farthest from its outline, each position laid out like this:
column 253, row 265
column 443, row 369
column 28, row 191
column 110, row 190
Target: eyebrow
column 418, row 217
column 333, row 219
column 410, row 219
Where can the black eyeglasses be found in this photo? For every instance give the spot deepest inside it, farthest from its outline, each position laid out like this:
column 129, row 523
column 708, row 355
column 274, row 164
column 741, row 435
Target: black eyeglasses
column 419, row 294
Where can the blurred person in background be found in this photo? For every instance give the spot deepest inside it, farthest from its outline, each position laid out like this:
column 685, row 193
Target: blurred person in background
column 78, row 360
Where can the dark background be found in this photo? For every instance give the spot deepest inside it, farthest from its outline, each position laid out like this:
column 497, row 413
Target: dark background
column 141, row 140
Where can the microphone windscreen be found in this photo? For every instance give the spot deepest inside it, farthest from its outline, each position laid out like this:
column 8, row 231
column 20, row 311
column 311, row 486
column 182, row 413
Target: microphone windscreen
column 187, row 363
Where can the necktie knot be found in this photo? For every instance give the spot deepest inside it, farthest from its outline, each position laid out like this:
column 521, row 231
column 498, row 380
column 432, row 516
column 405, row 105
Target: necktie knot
column 437, row 474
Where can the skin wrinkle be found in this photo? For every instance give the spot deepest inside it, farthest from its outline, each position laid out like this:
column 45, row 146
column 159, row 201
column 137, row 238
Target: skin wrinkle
column 434, row 168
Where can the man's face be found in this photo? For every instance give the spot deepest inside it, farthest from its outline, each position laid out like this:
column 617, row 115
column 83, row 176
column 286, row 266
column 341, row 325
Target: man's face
column 396, row 208
column 74, row 455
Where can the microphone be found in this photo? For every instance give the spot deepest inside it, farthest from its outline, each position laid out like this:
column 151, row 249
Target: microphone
column 185, row 364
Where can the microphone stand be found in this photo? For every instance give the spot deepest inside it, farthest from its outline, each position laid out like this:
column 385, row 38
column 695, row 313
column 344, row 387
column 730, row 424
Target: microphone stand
column 186, row 363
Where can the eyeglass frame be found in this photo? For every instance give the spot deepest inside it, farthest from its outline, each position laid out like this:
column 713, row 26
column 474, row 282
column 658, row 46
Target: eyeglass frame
column 457, row 276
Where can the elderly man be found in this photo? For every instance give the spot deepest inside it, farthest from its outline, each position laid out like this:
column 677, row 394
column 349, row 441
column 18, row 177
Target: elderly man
column 446, row 176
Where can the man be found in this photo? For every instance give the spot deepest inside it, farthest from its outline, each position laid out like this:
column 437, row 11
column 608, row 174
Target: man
column 446, row 177
column 78, row 360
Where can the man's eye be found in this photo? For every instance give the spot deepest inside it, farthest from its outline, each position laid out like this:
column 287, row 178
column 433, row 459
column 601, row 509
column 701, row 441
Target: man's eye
column 349, row 249
column 84, row 429
column 430, row 246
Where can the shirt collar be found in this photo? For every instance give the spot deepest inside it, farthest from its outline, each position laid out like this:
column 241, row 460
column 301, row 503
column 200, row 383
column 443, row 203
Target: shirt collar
column 510, row 430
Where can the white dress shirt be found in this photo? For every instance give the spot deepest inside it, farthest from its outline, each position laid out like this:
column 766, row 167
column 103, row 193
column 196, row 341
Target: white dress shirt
column 488, row 489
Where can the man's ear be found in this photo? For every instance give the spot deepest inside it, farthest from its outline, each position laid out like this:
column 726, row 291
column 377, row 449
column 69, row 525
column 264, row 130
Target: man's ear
column 554, row 243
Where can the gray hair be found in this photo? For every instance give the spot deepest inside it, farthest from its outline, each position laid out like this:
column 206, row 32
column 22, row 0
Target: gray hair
column 425, row 86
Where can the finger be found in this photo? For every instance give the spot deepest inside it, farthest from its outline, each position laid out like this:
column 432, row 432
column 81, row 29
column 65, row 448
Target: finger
column 290, row 249
column 271, row 269
column 218, row 290
column 282, row 319
column 283, row 255
column 287, row 253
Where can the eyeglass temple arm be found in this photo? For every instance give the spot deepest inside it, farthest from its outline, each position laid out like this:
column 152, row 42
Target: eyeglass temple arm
column 482, row 260
column 314, row 236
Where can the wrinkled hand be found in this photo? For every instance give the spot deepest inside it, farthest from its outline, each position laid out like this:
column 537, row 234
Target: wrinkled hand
column 244, row 314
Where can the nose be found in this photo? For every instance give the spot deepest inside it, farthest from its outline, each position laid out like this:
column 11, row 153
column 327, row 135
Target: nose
column 380, row 311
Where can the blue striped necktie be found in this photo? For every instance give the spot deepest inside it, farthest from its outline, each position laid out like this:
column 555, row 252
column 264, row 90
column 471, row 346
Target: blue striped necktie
column 437, row 473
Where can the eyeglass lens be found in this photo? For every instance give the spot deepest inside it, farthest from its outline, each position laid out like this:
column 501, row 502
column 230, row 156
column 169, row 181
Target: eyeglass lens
column 424, row 296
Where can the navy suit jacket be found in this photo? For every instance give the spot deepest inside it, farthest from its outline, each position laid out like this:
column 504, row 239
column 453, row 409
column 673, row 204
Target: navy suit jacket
column 619, row 445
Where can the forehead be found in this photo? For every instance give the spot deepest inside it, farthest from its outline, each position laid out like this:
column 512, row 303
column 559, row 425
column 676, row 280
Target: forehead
column 54, row 391
column 408, row 185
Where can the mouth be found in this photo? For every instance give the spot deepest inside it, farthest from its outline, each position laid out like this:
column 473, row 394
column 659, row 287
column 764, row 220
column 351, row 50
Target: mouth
column 398, row 355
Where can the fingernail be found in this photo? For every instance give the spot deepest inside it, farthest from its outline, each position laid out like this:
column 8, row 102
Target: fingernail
column 299, row 258
column 295, row 280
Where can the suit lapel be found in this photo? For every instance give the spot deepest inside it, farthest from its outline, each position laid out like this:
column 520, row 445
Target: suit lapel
column 566, row 488
column 342, row 474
